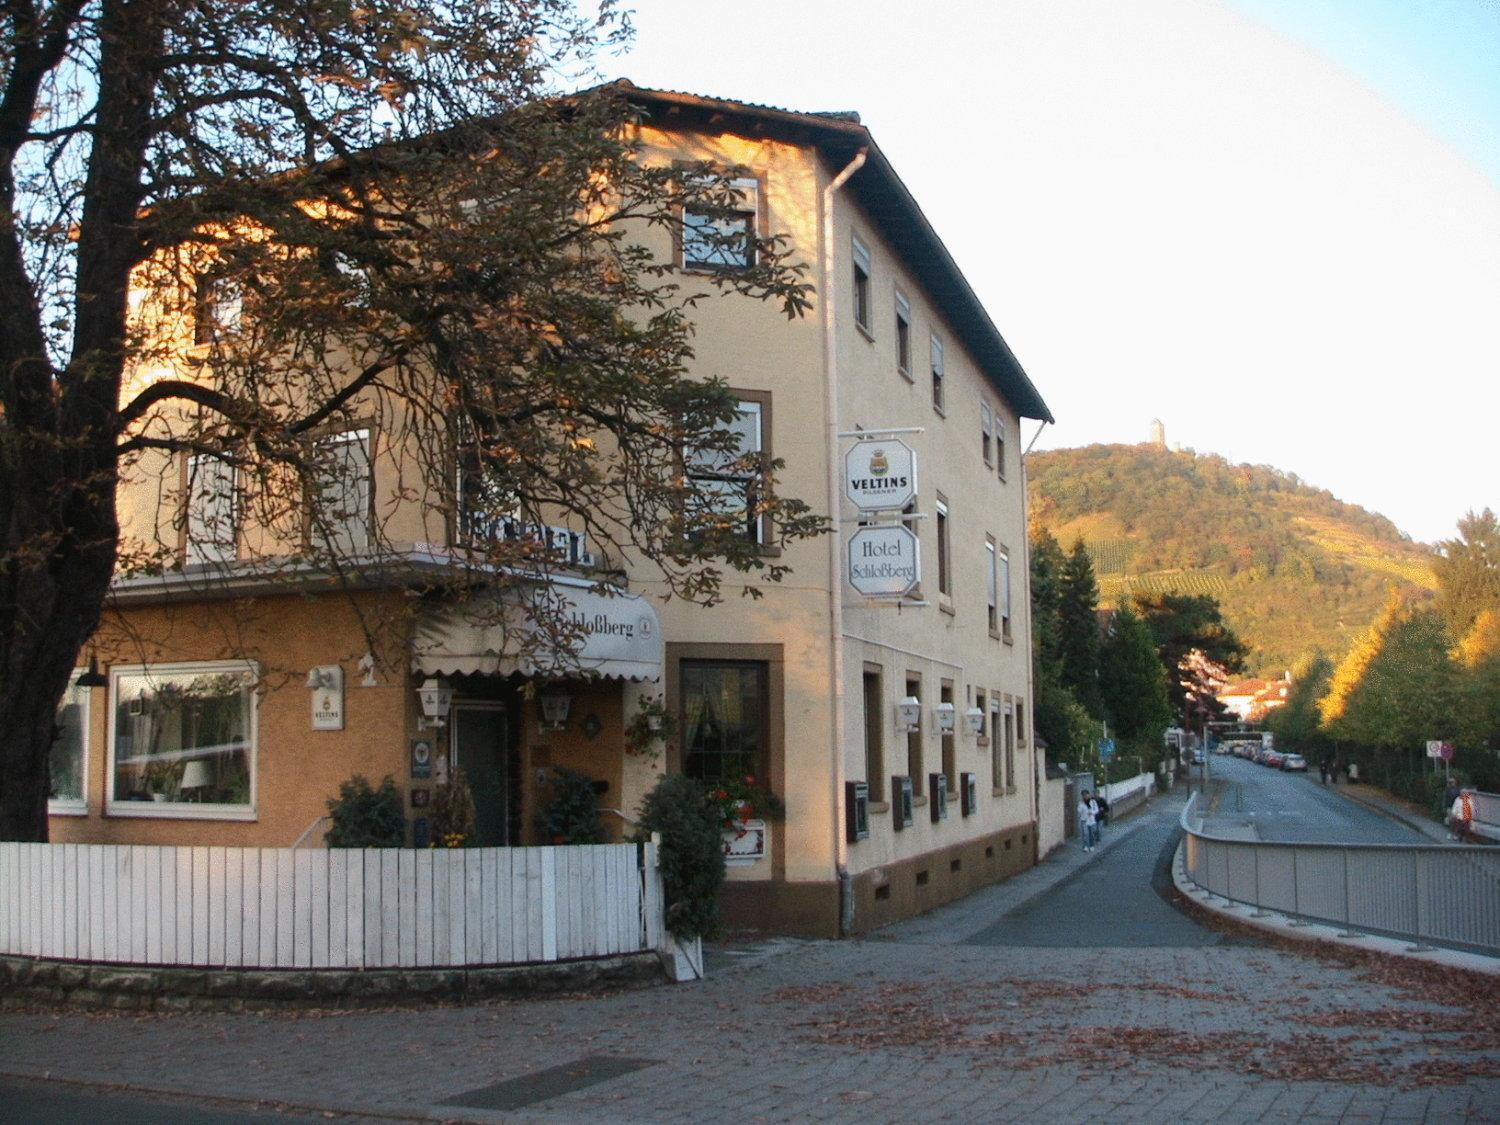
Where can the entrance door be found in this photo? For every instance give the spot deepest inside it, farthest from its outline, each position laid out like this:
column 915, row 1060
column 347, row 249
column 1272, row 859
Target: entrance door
column 480, row 740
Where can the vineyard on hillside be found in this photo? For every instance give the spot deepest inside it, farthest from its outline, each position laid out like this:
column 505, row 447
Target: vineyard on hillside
column 1296, row 569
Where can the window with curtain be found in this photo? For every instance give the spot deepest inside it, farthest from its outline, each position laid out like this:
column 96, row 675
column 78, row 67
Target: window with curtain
column 70, row 750
column 727, row 483
column 724, row 720
column 182, row 737
column 212, row 510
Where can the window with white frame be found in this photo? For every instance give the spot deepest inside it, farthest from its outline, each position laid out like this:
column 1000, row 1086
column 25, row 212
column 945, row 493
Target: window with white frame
column 903, row 334
column 716, row 238
column 68, row 761
column 1000, row 445
column 1005, row 593
column 212, row 510
column 862, row 285
column 997, row 745
column 219, row 304
column 937, row 374
column 728, row 483
column 340, row 509
column 1010, row 747
column 992, row 570
column 182, row 740
column 986, row 430
column 945, row 568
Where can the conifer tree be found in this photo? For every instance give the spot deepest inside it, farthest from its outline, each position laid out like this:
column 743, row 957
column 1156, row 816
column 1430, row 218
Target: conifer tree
column 1133, row 683
column 1078, row 612
column 1299, row 723
column 1468, row 571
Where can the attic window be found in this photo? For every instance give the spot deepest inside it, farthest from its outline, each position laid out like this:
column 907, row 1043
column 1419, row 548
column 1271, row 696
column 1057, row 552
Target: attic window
column 862, row 285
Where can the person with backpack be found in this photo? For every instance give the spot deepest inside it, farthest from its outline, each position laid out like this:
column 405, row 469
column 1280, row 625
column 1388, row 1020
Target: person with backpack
column 1088, row 820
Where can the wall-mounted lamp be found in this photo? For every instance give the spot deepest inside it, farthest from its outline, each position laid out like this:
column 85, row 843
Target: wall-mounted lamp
column 325, row 678
column 93, row 677
column 555, row 708
column 437, row 701
column 974, row 717
column 909, row 713
column 946, row 716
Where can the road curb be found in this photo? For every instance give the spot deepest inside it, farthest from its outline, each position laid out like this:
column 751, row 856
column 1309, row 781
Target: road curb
column 1286, row 926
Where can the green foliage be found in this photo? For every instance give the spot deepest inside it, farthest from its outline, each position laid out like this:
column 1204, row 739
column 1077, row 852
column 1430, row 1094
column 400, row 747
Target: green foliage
column 692, row 853
column 452, row 817
column 1468, row 571
column 1298, row 725
column 572, row 815
column 365, row 817
column 1133, row 682
column 1062, row 723
column 1295, row 569
column 1184, row 625
column 1078, row 616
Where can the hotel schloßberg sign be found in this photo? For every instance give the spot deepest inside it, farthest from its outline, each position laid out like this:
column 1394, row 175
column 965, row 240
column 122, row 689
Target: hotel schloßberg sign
column 883, row 561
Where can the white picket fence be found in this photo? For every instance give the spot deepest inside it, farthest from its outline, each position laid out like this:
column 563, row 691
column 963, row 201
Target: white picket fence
column 303, row 908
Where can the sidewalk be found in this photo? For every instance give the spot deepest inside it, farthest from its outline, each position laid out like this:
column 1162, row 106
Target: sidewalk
column 1395, row 808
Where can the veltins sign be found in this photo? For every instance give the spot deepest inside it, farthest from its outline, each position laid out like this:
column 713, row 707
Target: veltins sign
column 880, row 475
column 883, row 561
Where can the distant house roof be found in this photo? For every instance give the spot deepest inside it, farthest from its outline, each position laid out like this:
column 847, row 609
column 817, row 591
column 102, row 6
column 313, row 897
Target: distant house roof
column 1247, row 688
column 879, row 190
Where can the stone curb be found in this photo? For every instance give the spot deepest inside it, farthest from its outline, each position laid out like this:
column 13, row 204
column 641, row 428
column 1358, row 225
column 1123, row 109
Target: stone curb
column 1284, row 925
column 26, row 981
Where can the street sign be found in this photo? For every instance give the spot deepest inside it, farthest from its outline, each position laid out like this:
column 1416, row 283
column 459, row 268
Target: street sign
column 884, row 561
column 880, row 475
column 1106, row 749
column 1434, row 748
column 1445, row 751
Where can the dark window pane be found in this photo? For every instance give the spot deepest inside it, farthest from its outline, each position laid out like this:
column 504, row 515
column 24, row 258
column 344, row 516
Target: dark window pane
column 724, row 720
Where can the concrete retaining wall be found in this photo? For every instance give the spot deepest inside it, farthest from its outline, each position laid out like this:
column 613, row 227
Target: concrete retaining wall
column 1052, row 824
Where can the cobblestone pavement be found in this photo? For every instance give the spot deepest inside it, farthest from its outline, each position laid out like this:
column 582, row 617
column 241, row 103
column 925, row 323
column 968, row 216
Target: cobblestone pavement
column 938, row 1019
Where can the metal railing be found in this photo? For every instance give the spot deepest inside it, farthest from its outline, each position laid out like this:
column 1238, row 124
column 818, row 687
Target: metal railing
column 1448, row 894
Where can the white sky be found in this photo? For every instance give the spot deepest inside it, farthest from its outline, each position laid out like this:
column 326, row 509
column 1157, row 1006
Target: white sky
column 1171, row 211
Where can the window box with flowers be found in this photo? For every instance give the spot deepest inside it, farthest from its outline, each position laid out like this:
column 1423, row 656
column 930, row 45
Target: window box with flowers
column 744, row 806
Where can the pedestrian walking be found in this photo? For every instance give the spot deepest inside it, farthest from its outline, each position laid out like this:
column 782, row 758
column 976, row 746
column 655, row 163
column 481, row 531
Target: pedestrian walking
column 1088, row 820
column 1450, row 794
column 1323, row 772
column 1103, row 811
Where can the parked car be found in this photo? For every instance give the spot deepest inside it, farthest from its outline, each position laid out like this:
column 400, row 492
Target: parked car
column 1272, row 758
column 1198, row 756
column 1294, row 762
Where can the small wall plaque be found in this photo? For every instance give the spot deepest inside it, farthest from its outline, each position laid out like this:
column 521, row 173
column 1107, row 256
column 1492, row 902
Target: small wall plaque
column 421, row 798
column 421, row 758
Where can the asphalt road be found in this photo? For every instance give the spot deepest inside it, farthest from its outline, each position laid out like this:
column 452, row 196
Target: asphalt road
column 1268, row 804
column 1113, row 902
column 29, row 1101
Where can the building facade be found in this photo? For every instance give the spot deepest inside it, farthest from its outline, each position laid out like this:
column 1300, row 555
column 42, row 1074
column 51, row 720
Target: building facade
column 896, row 731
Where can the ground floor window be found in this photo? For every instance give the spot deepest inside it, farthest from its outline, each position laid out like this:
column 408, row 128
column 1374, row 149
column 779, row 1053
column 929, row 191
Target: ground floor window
column 68, row 763
column 182, row 740
column 724, row 719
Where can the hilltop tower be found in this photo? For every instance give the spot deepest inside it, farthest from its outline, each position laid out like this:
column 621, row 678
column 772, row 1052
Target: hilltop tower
column 1158, row 433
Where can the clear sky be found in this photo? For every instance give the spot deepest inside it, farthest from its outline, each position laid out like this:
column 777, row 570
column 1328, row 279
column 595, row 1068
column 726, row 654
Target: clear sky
column 1273, row 224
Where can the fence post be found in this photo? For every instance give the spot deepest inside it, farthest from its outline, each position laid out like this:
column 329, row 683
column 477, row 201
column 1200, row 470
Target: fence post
column 1296, row 894
column 1417, row 945
column 1260, row 905
column 1347, row 931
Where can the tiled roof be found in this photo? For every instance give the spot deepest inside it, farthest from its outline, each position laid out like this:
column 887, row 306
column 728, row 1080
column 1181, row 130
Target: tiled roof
column 877, row 187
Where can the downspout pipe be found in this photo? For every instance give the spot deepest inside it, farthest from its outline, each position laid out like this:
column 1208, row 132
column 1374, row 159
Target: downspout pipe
column 835, row 552
column 1038, row 765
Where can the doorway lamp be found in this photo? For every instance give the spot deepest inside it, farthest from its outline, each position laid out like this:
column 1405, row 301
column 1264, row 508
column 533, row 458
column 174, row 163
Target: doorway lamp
column 93, row 677
column 437, row 701
column 974, row 717
column 909, row 713
column 947, row 717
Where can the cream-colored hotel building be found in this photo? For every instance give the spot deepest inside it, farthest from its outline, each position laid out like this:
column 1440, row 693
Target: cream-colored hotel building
column 888, row 810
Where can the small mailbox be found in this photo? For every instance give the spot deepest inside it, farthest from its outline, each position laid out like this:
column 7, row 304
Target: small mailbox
column 968, row 788
column 901, row 802
column 857, row 810
column 937, row 785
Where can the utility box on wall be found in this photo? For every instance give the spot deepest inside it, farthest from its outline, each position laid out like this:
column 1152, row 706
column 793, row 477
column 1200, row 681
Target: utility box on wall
column 857, row 810
column 901, row 802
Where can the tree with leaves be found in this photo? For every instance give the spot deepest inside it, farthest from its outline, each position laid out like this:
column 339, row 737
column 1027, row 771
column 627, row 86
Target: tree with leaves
column 1133, row 683
column 1468, row 571
column 232, row 227
column 1078, row 617
column 1059, row 719
column 1299, row 723
column 1196, row 646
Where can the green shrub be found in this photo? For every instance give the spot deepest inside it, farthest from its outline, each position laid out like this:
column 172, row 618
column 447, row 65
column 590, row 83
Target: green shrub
column 364, row 817
column 572, row 816
column 692, row 854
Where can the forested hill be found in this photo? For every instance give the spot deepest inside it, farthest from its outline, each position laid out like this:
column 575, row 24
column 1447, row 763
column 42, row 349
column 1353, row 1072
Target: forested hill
column 1294, row 568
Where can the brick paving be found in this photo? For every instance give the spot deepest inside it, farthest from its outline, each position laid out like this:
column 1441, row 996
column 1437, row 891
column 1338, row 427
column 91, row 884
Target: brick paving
column 917, row 1023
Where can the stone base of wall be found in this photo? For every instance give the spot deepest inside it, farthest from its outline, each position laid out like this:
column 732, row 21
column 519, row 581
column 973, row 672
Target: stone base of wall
column 883, row 895
column 26, row 981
